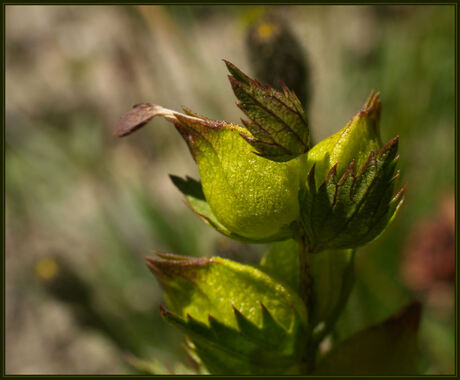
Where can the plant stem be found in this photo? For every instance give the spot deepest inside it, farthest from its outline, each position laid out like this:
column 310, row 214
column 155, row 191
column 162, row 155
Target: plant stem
column 347, row 286
column 306, row 279
column 306, row 290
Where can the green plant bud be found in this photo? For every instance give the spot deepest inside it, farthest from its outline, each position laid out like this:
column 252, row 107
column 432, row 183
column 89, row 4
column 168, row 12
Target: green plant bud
column 239, row 319
column 349, row 198
column 246, row 196
column 355, row 141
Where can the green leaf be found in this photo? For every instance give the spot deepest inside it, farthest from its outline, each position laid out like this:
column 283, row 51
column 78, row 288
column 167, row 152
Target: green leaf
column 278, row 127
column 246, row 348
column 282, row 261
column 388, row 348
column 239, row 319
column 355, row 209
column 213, row 285
column 332, row 274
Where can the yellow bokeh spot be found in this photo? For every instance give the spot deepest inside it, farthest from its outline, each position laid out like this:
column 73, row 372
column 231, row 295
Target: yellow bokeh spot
column 266, row 30
column 46, row 268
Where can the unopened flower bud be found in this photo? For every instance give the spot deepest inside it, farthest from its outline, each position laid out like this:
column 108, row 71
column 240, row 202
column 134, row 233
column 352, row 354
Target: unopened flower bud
column 355, row 141
column 246, row 197
column 349, row 196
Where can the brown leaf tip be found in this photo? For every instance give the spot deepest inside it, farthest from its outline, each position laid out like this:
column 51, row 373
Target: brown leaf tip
column 372, row 103
column 176, row 266
column 372, row 109
column 138, row 116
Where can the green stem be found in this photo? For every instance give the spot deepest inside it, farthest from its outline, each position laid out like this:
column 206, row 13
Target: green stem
column 306, row 292
column 347, row 286
column 306, row 279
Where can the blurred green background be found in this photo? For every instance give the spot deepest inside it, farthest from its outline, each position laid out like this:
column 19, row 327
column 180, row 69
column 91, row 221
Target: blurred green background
column 83, row 208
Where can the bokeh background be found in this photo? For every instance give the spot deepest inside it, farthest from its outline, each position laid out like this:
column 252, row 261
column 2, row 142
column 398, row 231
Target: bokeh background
column 84, row 208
